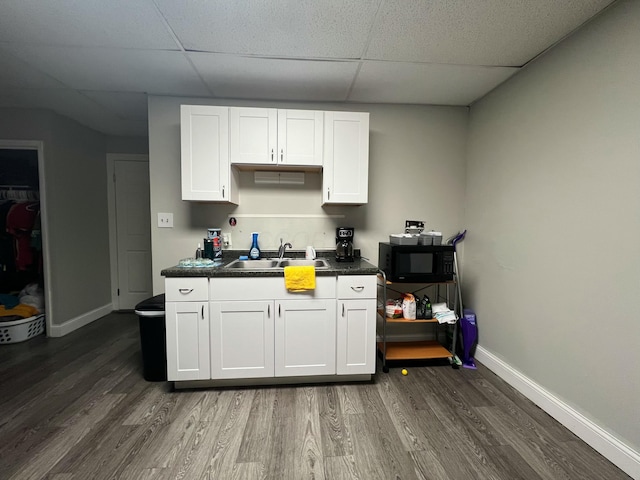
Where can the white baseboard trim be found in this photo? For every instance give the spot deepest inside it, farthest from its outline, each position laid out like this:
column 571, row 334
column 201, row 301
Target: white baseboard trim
column 617, row 452
column 80, row 321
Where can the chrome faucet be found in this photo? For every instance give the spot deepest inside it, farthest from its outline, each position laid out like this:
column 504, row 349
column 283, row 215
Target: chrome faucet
column 283, row 248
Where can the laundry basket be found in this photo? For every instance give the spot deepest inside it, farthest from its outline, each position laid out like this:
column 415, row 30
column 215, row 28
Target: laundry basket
column 21, row 330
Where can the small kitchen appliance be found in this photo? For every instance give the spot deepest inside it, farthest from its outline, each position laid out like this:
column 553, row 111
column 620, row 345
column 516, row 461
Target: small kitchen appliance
column 344, row 244
column 213, row 244
column 416, row 263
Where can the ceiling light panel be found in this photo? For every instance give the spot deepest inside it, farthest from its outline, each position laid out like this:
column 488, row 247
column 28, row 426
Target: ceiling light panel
column 290, row 28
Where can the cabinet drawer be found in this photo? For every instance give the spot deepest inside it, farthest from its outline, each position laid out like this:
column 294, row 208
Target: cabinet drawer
column 357, row 286
column 266, row 288
column 186, row 289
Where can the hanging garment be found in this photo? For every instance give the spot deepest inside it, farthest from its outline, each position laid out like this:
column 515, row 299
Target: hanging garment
column 19, row 225
column 7, row 254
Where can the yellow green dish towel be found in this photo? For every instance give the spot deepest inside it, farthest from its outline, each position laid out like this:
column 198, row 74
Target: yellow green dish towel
column 300, row 278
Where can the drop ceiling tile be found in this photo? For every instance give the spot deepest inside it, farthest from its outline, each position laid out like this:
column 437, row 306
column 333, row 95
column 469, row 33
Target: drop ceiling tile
column 127, row 106
column 116, row 70
column 392, row 82
column 275, row 79
column 18, row 74
column 286, row 28
column 74, row 105
column 9, row 99
column 116, row 23
column 490, row 32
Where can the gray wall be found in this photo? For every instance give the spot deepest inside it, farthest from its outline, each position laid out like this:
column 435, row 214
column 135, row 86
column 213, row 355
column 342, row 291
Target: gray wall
column 127, row 145
column 76, row 195
column 416, row 171
column 552, row 264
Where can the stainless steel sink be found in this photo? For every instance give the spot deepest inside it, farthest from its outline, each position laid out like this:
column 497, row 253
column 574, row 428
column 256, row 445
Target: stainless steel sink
column 253, row 264
column 318, row 263
column 275, row 264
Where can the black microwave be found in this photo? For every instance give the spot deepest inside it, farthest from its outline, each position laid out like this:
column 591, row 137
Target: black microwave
column 416, row 263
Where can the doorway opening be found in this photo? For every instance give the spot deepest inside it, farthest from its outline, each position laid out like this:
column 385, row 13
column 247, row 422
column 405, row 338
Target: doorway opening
column 24, row 296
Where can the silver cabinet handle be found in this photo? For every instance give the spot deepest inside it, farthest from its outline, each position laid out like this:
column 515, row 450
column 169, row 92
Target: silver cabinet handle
column 222, row 191
column 358, row 289
column 268, row 311
column 202, row 312
column 272, row 154
column 328, row 193
column 185, row 291
column 281, row 155
column 343, row 309
column 279, row 311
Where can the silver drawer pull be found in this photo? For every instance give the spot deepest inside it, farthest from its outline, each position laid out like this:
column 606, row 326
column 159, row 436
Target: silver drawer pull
column 357, row 289
column 184, row 291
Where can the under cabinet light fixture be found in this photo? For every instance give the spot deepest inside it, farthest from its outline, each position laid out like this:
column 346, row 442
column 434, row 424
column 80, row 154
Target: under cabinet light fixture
column 283, row 178
column 292, row 178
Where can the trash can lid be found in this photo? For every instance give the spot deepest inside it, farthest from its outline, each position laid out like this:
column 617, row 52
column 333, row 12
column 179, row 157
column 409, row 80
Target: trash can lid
column 153, row 304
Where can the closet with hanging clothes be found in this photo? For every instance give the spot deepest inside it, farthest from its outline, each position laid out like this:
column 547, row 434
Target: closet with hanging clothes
column 21, row 259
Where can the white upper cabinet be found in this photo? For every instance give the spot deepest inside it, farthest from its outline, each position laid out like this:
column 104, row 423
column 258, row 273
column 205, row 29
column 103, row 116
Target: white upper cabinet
column 269, row 136
column 345, row 175
column 206, row 171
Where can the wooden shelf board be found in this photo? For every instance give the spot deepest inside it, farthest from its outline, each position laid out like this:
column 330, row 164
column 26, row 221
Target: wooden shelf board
column 404, row 320
column 415, row 350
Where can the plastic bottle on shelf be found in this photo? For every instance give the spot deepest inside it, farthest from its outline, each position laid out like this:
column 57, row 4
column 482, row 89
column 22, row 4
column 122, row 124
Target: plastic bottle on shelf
column 254, row 252
column 428, row 313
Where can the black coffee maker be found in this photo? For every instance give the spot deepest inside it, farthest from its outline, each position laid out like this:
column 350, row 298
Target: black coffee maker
column 344, row 244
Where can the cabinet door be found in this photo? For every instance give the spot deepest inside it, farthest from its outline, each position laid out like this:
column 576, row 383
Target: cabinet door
column 356, row 336
column 345, row 177
column 204, row 133
column 241, row 339
column 300, row 137
column 187, row 341
column 254, row 136
column 305, row 337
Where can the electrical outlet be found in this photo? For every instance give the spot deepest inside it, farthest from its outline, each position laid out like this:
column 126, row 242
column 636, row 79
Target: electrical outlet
column 226, row 240
column 165, row 220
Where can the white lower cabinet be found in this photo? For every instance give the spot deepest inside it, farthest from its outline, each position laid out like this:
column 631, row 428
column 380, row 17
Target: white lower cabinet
column 356, row 325
column 214, row 332
column 241, row 339
column 187, row 320
column 305, row 337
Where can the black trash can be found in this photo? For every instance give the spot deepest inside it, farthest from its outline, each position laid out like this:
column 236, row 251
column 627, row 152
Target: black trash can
column 153, row 338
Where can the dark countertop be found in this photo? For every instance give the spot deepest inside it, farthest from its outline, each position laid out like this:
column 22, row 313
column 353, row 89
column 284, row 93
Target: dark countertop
column 357, row 267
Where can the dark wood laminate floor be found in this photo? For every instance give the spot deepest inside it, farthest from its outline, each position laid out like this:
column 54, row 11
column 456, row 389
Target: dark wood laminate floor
column 77, row 407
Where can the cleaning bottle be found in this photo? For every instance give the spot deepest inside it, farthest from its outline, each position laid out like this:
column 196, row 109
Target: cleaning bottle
column 254, row 252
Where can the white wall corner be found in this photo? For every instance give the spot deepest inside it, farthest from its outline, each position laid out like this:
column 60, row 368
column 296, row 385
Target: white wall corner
column 616, row 451
column 79, row 321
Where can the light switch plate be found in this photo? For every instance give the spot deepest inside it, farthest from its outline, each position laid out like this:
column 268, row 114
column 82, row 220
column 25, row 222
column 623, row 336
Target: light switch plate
column 165, row 220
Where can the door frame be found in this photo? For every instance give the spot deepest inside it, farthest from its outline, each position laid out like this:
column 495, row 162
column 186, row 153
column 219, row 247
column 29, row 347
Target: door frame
column 38, row 145
column 113, row 230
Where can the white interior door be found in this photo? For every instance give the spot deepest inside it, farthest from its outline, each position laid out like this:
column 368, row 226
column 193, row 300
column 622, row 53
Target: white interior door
column 133, row 233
